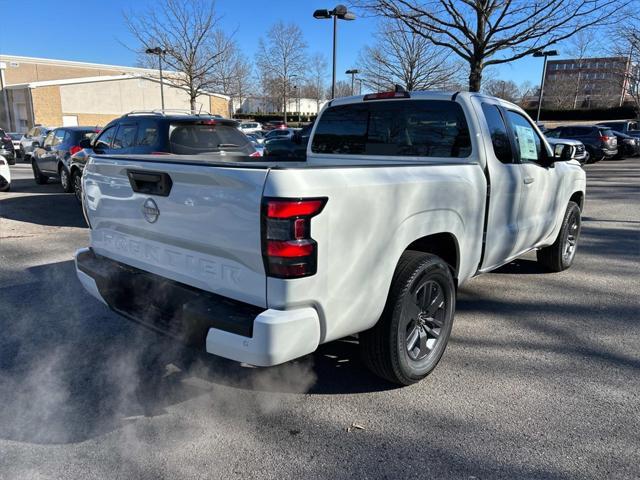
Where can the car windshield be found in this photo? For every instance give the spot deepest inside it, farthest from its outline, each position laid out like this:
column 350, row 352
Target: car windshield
column 194, row 139
column 15, row 136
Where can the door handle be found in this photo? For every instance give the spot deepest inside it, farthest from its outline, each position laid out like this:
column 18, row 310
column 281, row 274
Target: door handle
column 528, row 180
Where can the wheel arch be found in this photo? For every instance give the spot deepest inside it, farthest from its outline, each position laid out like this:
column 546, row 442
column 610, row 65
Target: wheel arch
column 578, row 197
column 445, row 245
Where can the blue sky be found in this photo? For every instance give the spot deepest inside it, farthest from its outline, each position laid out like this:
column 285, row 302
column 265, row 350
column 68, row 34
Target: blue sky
column 94, row 31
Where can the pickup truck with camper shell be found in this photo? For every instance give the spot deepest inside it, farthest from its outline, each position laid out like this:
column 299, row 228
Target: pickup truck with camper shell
column 402, row 197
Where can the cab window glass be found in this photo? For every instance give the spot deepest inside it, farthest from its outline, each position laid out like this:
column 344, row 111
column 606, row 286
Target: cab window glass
column 147, row 134
column 528, row 143
column 58, row 137
column 48, row 141
column 104, row 139
column 125, row 137
column 499, row 135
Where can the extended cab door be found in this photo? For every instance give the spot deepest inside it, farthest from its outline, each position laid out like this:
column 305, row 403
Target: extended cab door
column 505, row 179
column 540, row 183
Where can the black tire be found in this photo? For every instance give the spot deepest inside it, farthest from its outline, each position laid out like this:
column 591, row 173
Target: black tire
column 560, row 255
column 11, row 161
column 397, row 347
column 76, row 182
column 65, row 179
column 37, row 174
column 4, row 185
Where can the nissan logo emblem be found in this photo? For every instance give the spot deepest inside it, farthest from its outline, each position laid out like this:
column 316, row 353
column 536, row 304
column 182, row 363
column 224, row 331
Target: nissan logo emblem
column 150, row 210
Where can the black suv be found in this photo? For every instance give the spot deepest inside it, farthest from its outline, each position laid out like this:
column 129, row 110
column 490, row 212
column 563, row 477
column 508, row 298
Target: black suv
column 600, row 142
column 157, row 133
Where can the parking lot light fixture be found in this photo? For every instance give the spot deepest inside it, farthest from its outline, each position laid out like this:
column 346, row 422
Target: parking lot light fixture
column 353, row 72
column 545, row 54
column 340, row 12
column 159, row 52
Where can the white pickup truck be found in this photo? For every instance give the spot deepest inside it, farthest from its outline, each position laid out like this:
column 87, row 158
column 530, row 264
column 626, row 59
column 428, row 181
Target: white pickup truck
column 403, row 196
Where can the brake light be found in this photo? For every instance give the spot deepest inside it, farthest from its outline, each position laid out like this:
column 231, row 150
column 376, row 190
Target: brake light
column 386, row 95
column 7, row 138
column 604, row 138
column 255, row 154
column 74, row 149
column 287, row 247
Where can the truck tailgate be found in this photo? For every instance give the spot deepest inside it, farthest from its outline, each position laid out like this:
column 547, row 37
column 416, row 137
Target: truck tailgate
column 195, row 224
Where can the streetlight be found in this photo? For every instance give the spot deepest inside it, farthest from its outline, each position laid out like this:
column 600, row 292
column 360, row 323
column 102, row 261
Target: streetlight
column 340, row 12
column 353, row 72
column 545, row 54
column 158, row 51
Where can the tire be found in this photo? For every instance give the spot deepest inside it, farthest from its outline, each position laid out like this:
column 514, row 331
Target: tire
column 37, row 174
column 560, row 255
column 76, row 182
column 411, row 335
column 65, row 180
column 11, row 161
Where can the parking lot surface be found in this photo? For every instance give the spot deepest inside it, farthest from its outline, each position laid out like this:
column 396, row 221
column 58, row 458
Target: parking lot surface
column 541, row 378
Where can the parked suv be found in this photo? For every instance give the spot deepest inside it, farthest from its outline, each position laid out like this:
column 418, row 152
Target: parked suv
column 600, row 142
column 33, row 139
column 6, row 148
column 157, row 133
column 52, row 159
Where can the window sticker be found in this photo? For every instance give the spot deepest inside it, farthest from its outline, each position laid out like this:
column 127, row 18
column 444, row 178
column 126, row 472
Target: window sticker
column 527, row 143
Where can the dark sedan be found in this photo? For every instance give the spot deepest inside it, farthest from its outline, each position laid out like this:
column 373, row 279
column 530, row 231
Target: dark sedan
column 628, row 146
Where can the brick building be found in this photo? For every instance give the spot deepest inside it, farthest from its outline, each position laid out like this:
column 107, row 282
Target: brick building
column 60, row 92
column 586, row 83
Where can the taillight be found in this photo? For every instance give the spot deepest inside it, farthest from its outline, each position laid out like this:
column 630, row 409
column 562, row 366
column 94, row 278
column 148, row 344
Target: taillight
column 74, row 149
column 255, row 154
column 604, row 138
column 160, row 153
column 287, row 247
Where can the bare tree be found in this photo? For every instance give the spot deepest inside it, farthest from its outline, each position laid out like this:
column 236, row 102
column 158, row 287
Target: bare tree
column 400, row 56
column 282, row 56
column 231, row 76
column 243, row 84
column 492, row 32
column 506, row 89
column 628, row 72
column 187, row 31
column 315, row 86
column 343, row 89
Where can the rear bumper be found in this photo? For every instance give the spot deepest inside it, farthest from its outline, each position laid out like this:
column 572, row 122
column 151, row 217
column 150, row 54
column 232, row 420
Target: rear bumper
column 227, row 328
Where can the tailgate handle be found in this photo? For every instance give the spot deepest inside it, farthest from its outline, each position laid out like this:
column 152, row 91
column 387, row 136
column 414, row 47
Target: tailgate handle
column 150, row 183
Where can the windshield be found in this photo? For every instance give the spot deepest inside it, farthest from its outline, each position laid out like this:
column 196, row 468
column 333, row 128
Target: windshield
column 15, row 136
column 194, row 139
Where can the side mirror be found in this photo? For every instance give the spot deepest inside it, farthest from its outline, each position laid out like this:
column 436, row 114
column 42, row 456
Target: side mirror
column 85, row 143
column 563, row 152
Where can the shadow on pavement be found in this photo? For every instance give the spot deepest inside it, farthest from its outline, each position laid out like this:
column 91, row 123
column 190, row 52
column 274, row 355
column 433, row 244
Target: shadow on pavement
column 55, row 209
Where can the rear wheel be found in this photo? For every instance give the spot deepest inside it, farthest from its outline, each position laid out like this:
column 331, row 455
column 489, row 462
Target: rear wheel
column 410, row 338
column 65, row 180
column 76, row 181
column 37, row 174
column 560, row 255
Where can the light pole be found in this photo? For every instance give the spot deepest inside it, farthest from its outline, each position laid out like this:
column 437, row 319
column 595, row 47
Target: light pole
column 286, row 88
column 545, row 54
column 353, row 72
column 158, row 51
column 339, row 12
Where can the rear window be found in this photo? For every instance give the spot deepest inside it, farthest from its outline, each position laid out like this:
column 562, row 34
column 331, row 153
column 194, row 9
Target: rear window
column 606, row 132
column 420, row 128
column 190, row 139
column 15, row 136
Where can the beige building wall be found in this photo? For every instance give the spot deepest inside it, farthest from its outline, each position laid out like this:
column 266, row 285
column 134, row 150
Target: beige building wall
column 47, row 107
column 99, row 102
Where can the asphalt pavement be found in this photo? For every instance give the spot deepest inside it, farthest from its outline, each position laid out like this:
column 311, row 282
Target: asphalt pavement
column 541, row 378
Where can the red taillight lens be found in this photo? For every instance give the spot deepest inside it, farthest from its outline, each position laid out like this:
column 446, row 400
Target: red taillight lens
column 385, row 95
column 294, row 208
column 604, row 138
column 74, row 149
column 288, row 249
column 255, row 154
column 160, row 153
